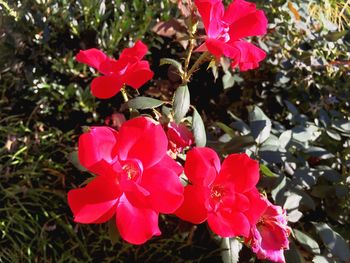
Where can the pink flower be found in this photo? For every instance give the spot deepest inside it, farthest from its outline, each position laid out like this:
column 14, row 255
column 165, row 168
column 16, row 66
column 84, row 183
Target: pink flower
column 226, row 28
column 269, row 237
column 136, row 180
column 224, row 195
column 179, row 137
column 129, row 69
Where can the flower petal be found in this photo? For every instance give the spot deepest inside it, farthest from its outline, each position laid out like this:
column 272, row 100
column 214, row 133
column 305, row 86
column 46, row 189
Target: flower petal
column 194, row 208
column 253, row 24
column 219, row 48
column 202, row 165
column 139, row 50
column 166, row 190
column 138, row 74
column 211, row 12
column 227, row 224
column 105, row 87
column 143, row 139
column 241, row 170
column 95, row 150
column 249, row 55
column 168, row 162
column 96, row 202
column 237, row 10
column 136, row 225
column 258, row 206
column 91, row 57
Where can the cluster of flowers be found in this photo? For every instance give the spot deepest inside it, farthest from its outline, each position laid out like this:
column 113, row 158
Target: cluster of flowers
column 137, row 176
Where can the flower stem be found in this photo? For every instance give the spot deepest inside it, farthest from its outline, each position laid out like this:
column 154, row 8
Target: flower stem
column 203, row 58
column 125, row 94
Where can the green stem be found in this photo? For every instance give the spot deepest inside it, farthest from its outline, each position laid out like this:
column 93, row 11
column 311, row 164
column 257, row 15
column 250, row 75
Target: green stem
column 203, row 58
column 125, row 94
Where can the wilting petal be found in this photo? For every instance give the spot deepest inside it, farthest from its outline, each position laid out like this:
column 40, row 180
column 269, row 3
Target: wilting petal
column 136, row 225
column 249, row 55
column 138, row 74
column 253, row 24
column 142, row 139
column 194, row 208
column 166, row 190
column 92, row 57
column 241, row 171
column 229, row 224
column 139, row 50
column 95, row 150
column 202, row 166
column 96, row 202
column 105, row 87
column 211, row 12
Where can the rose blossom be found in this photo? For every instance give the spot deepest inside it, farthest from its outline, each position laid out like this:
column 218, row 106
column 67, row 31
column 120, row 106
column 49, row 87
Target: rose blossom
column 226, row 30
column 225, row 195
column 129, row 69
column 136, row 180
column 269, row 237
column 179, row 137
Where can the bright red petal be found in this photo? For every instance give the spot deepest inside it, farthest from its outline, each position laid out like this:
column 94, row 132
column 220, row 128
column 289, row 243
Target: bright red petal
column 136, row 225
column 168, row 162
column 212, row 12
column 142, row 139
column 202, row 166
column 166, row 190
column 194, row 208
column 258, row 206
column 241, row 171
column 219, row 48
column 105, row 87
column 96, row 202
column 139, row 50
column 92, row 57
column 229, row 224
column 138, row 74
column 253, row 24
column 237, row 10
column 95, row 149
column 249, row 55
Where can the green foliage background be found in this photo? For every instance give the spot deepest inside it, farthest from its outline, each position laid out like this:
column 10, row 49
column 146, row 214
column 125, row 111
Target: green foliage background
column 292, row 114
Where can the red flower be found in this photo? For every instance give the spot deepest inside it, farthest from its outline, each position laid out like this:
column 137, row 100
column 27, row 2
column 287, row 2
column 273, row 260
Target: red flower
column 226, row 28
column 269, row 237
column 129, row 69
column 179, row 137
column 225, row 195
column 136, row 179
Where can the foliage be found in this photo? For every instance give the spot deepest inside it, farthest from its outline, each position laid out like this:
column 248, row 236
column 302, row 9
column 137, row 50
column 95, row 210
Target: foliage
column 292, row 114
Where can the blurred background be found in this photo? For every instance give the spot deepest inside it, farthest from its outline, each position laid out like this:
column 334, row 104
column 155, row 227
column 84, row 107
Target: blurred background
column 300, row 92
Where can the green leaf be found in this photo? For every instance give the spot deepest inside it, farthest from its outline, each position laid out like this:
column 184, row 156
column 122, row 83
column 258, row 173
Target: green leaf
column 260, row 124
column 333, row 241
column 113, row 232
column 142, row 103
column 230, row 250
column 334, row 36
column 266, row 171
column 73, row 158
column 198, row 128
column 181, row 103
column 226, row 129
column 308, row 243
column 173, row 62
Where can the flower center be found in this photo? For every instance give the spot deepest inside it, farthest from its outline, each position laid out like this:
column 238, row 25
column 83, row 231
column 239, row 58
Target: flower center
column 132, row 169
